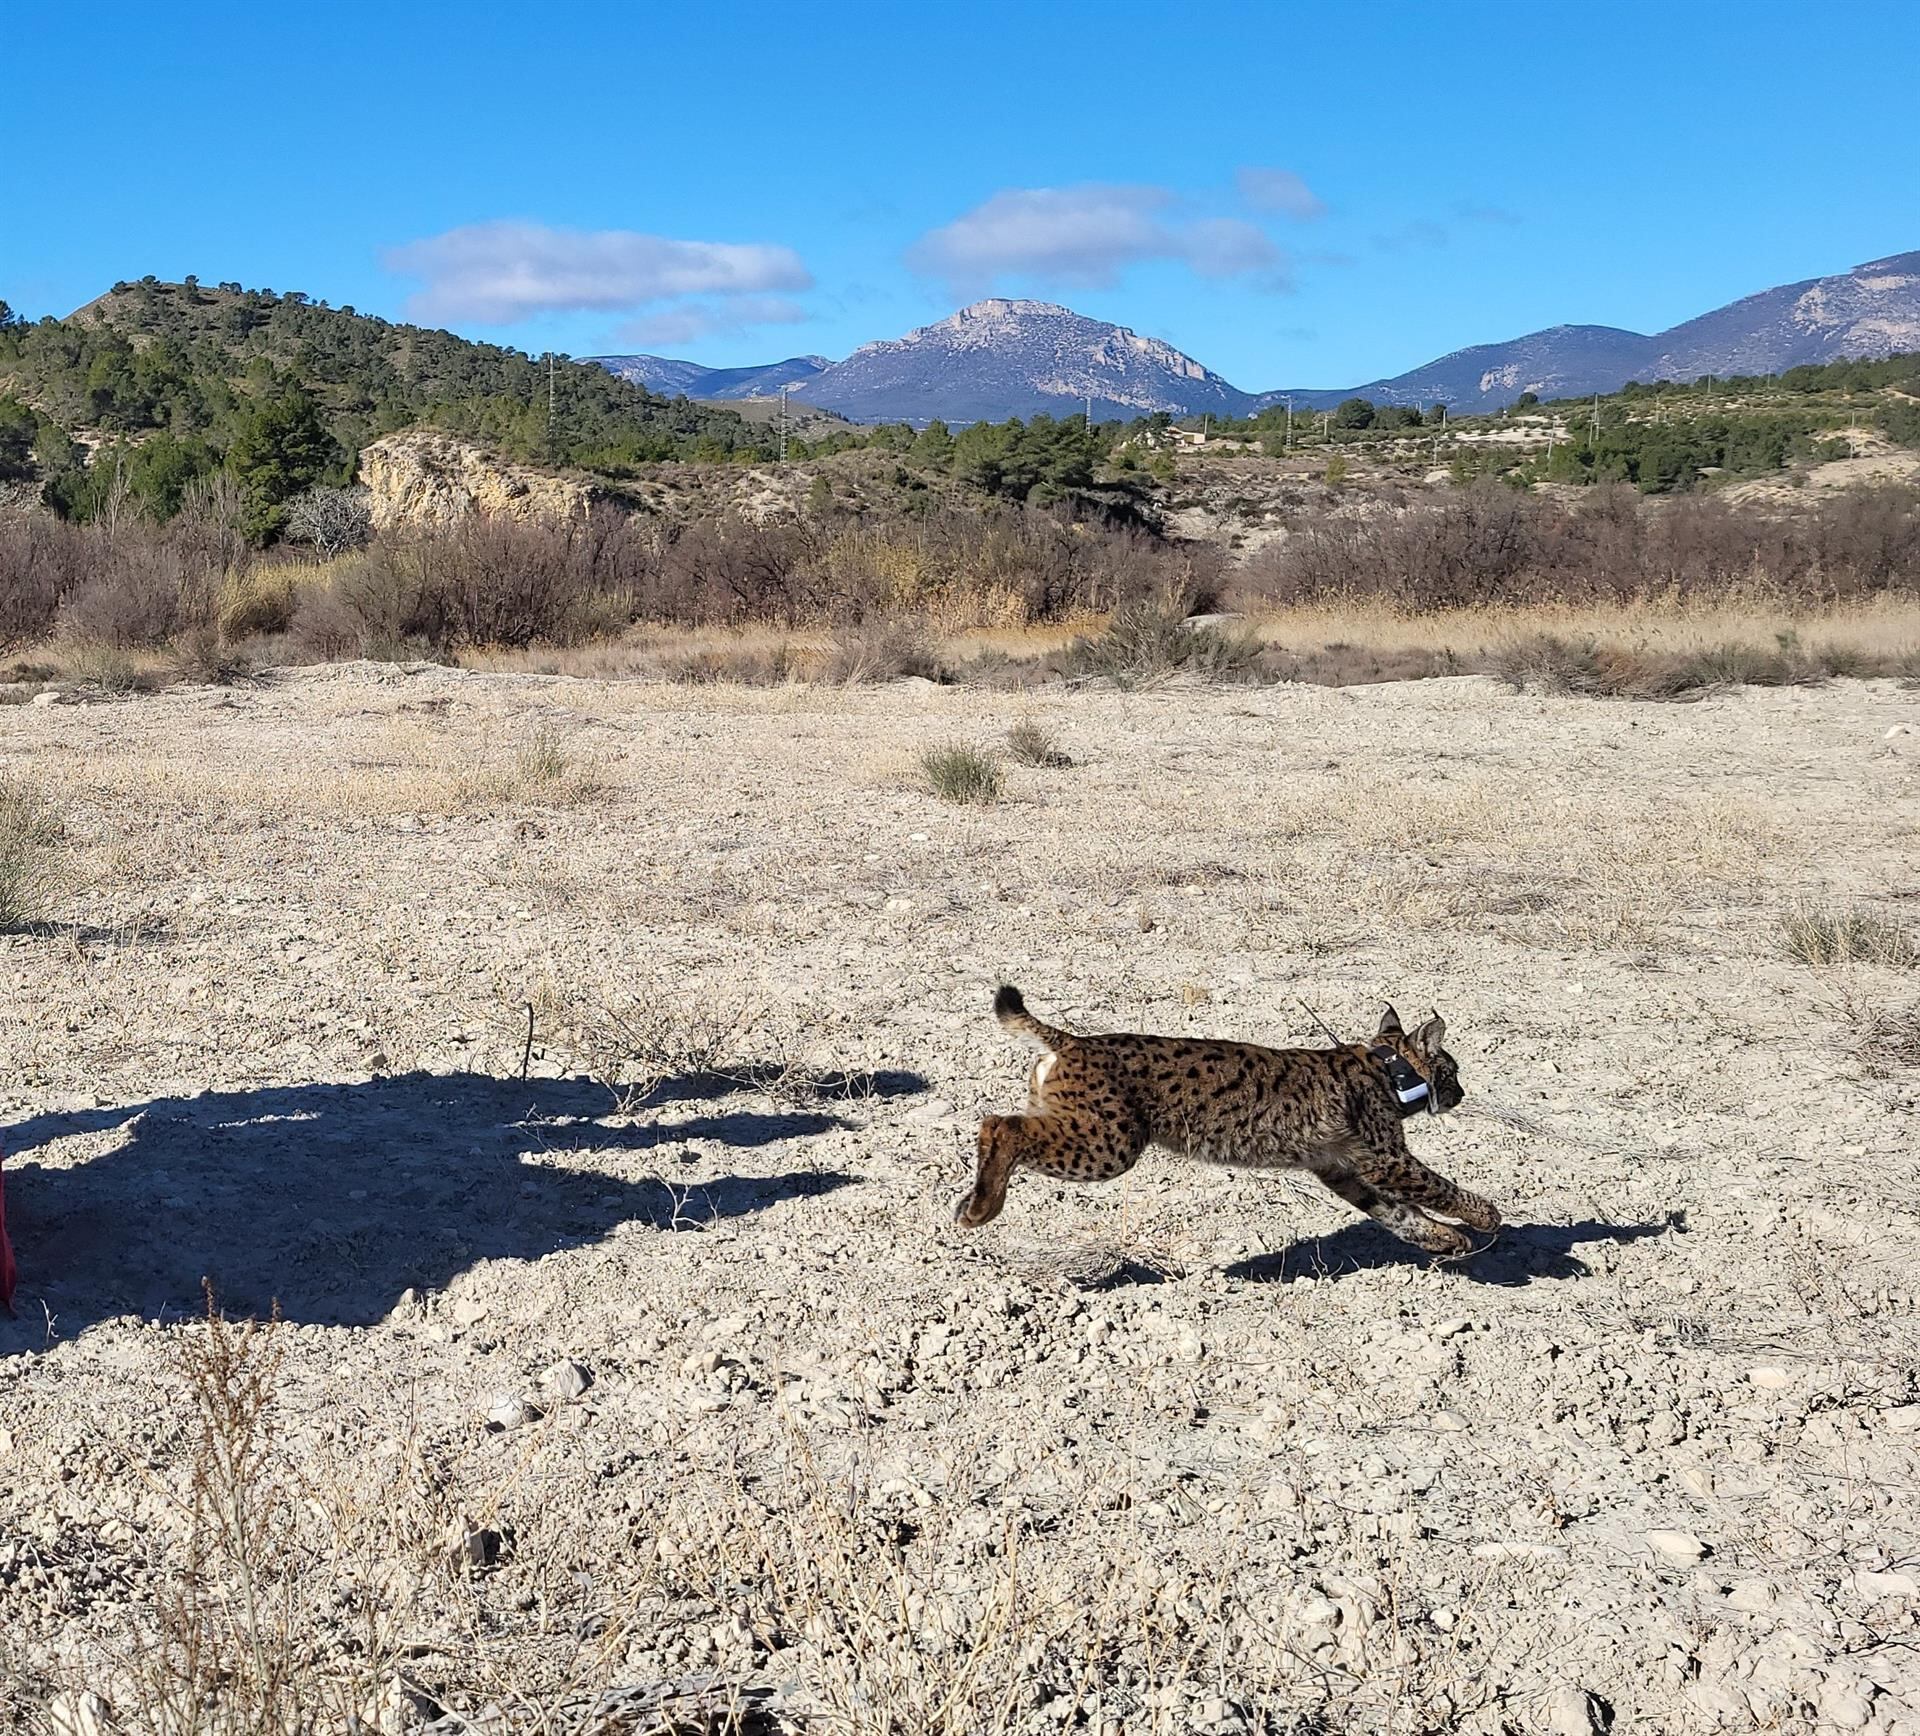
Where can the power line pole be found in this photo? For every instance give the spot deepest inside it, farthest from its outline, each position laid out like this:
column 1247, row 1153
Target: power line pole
column 553, row 449
column 1289, row 424
column 783, row 424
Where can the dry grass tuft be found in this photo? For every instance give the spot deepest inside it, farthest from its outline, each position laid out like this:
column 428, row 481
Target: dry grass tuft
column 633, row 1039
column 886, row 650
column 543, row 770
column 109, row 667
column 1892, row 1038
column 959, row 773
column 1033, row 744
column 1824, row 934
column 32, row 843
column 228, row 1645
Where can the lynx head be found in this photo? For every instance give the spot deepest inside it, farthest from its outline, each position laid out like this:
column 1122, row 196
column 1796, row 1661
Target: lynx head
column 1423, row 1051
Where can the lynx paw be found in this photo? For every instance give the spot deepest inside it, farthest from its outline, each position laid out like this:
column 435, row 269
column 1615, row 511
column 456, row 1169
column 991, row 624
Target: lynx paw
column 970, row 1213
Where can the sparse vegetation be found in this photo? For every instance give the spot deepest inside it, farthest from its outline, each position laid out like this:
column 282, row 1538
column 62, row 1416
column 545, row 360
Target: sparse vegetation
column 1891, row 1039
column 1826, row 934
column 764, row 1483
column 1033, row 744
column 542, row 769
column 957, row 772
column 1488, row 544
column 32, row 841
column 883, row 650
column 1150, row 642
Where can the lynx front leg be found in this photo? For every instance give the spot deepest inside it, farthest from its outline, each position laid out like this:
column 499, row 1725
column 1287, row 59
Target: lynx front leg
column 1407, row 1222
column 1412, row 1180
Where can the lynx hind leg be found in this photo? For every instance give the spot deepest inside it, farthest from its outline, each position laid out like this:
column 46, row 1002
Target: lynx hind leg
column 1407, row 1222
column 1069, row 1147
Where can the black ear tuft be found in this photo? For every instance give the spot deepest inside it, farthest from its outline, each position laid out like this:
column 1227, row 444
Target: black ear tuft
column 1390, row 1022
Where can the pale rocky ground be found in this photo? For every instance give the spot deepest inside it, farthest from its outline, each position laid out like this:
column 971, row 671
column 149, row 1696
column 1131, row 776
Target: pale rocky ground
column 576, row 1400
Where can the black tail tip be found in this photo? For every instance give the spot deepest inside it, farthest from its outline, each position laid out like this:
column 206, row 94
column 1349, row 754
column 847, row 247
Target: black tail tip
column 1007, row 1001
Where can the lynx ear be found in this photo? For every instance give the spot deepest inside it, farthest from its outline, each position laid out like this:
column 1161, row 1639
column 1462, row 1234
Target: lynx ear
column 1389, row 1022
column 1431, row 1035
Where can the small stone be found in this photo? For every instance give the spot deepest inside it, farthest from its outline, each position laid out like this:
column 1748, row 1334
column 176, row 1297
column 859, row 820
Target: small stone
column 6, row 1442
column 1317, row 1612
column 1875, row 1586
column 507, row 1410
column 1449, row 1421
column 1512, row 1549
column 565, row 1380
column 1571, row 1711
column 468, row 1544
column 1452, row 1328
column 1844, row 1703
column 1755, row 1596
column 467, row 1311
column 1681, row 1546
column 1770, row 1379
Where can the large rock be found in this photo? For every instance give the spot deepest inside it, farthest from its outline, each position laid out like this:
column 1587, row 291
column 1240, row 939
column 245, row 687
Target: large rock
column 425, row 478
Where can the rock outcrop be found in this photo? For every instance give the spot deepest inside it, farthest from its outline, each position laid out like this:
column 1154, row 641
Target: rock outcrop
column 423, row 477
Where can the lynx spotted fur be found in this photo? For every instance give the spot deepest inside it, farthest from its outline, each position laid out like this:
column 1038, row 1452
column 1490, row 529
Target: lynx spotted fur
column 1096, row 1103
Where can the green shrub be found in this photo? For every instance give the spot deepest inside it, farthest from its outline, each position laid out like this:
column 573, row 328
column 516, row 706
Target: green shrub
column 958, row 773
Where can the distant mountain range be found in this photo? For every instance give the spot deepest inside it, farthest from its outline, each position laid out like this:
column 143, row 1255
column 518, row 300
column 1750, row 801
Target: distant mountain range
column 998, row 358
column 661, row 374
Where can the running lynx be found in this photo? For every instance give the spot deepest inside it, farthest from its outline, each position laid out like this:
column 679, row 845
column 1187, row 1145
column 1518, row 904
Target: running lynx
column 1096, row 1103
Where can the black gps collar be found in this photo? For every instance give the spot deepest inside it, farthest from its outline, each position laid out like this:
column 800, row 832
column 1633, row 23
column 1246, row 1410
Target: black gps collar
column 1411, row 1091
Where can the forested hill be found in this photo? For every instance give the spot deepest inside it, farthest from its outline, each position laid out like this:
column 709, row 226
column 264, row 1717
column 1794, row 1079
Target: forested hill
column 200, row 364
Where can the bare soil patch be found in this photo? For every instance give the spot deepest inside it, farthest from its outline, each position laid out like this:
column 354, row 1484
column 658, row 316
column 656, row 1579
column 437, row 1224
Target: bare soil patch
column 603, row 1396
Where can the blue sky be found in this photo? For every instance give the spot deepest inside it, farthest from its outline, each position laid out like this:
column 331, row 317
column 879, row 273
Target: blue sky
column 1306, row 195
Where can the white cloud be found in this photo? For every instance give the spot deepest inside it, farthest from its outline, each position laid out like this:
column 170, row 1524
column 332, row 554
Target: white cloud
column 1084, row 235
column 691, row 321
column 1278, row 190
column 495, row 273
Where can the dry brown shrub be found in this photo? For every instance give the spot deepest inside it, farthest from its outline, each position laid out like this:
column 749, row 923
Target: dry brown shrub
column 1489, row 544
column 882, row 650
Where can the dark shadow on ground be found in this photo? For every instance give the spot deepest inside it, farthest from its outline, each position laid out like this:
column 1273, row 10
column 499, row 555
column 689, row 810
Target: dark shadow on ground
column 332, row 1199
column 1520, row 1254
column 783, row 1083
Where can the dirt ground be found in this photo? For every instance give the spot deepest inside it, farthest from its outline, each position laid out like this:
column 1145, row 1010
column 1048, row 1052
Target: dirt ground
column 589, row 1405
